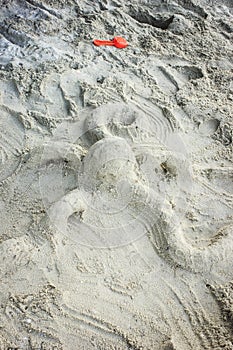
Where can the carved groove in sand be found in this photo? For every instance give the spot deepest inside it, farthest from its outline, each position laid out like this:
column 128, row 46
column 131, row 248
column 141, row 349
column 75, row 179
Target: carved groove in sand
column 11, row 144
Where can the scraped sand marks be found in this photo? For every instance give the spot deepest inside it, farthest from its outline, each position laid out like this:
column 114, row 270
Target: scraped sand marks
column 136, row 121
column 18, row 42
column 34, row 51
column 224, row 197
column 62, row 97
column 21, row 332
column 94, row 325
column 156, row 224
column 11, row 144
column 102, row 95
column 131, row 338
column 43, row 9
column 15, row 252
column 162, row 125
column 13, row 36
column 122, row 288
column 218, row 180
column 223, row 294
column 201, row 321
column 12, row 135
column 171, row 74
column 30, row 52
column 28, row 320
column 59, row 105
column 165, row 80
column 180, row 331
column 111, row 119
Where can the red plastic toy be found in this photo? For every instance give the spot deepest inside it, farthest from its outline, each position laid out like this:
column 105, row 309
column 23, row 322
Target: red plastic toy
column 118, row 42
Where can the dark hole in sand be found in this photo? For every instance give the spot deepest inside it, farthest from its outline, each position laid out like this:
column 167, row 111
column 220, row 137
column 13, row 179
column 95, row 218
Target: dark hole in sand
column 157, row 21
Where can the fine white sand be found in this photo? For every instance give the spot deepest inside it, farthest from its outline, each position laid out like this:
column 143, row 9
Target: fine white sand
column 116, row 175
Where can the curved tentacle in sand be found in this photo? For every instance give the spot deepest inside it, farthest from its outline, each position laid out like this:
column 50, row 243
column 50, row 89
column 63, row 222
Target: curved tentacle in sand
column 167, row 238
column 152, row 213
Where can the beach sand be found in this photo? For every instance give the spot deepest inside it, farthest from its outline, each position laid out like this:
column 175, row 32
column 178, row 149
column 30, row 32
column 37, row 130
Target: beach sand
column 116, row 175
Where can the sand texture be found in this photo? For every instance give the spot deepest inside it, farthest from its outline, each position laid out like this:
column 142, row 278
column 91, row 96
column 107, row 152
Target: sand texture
column 116, row 191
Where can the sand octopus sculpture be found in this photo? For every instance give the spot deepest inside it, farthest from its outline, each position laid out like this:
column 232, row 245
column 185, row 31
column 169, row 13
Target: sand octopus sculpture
column 114, row 203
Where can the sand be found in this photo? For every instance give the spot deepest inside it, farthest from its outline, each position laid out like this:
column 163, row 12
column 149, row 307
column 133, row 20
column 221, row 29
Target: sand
column 116, row 175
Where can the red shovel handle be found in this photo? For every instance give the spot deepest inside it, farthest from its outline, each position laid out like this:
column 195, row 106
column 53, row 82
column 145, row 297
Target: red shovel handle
column 103, row 42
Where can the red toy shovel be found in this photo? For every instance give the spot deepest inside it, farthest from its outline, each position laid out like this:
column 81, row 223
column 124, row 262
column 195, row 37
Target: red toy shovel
column 118, row 42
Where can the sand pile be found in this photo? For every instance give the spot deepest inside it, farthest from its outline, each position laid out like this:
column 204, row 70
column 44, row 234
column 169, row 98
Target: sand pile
column 116, row 175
